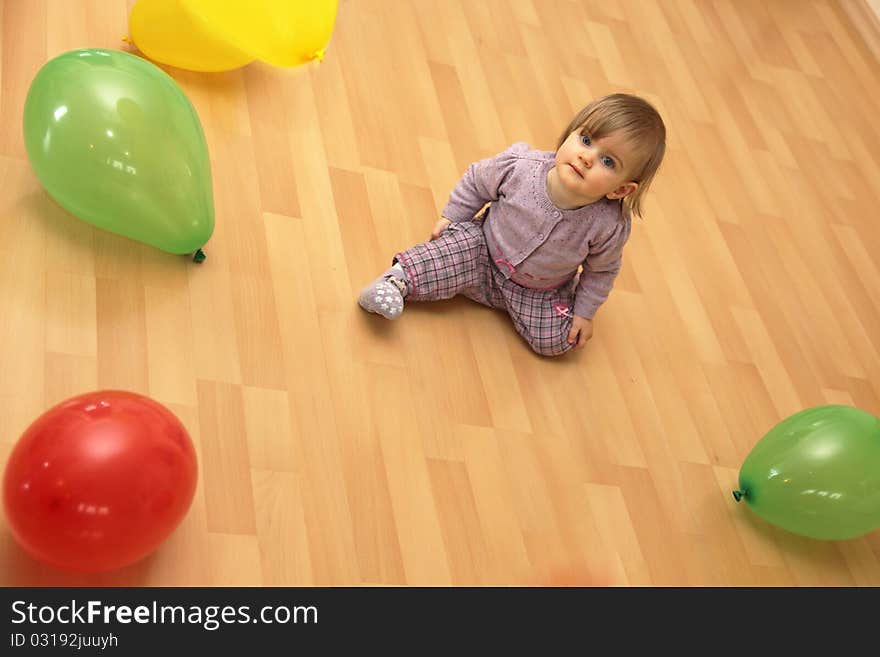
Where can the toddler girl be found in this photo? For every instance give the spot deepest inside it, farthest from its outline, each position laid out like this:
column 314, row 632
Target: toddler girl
column 549, row 215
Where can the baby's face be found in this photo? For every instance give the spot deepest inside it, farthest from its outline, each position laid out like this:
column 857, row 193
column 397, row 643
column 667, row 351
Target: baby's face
column 591, row 169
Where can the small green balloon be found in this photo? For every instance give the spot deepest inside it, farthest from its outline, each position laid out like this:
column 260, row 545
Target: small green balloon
column 117, row 143
column 817, row 474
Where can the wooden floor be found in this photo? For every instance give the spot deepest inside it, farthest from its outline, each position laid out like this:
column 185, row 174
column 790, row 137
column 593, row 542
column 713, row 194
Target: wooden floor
column 339, row 449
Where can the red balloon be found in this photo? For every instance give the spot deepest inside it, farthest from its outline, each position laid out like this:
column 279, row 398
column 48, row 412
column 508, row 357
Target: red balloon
column 99, row 481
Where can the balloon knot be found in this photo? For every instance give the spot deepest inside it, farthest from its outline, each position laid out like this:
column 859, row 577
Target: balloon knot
column 126, row 39
column 738, row 495
column 319, row 54
column 199, row 256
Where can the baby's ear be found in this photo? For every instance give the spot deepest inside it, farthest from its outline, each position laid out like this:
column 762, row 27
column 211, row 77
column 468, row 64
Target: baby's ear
column 624, row 190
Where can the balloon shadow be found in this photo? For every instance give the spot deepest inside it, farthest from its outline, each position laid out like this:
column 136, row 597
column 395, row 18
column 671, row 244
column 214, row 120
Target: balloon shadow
column 72, row 240
column 63, row 230
column 823, row 557
column 22, row 570
column 200, row 80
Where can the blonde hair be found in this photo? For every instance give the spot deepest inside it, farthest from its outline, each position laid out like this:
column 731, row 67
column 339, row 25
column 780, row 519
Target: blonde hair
column 641, row 125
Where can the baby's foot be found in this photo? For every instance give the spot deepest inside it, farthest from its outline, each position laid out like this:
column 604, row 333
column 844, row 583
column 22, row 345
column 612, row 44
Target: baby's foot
column 384, row 296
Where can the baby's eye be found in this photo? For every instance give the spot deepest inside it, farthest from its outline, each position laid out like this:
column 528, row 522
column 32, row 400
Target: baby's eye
column 608, row 162
column 585, row 139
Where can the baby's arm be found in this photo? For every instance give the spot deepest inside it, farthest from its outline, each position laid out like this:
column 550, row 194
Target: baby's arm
column 601, row 268
column 482, row 183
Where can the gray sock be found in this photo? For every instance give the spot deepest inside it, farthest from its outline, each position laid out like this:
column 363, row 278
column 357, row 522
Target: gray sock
column 385, row 295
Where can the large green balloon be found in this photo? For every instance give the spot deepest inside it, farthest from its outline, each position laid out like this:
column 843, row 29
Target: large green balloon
column 817, row 473
column 116, row 142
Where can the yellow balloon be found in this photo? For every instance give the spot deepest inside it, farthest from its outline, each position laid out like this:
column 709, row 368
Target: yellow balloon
column 278, row 32
column 165, row 32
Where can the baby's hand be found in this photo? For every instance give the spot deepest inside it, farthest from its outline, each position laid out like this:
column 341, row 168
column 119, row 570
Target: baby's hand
column 439, row 227
column 581, row 331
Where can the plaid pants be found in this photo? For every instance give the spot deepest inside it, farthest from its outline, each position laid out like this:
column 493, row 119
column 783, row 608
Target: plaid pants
column 458, row 263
